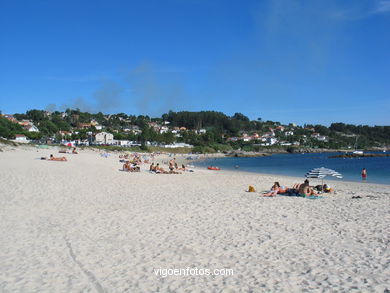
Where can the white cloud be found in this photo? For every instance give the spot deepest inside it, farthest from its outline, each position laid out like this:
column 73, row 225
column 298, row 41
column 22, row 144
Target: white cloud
column 383, row 7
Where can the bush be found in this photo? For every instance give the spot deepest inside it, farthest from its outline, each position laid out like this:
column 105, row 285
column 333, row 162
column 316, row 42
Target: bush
column 248, row 148
column 222, row 147
column 144, row 148
column 290, row 149
column 203, row 149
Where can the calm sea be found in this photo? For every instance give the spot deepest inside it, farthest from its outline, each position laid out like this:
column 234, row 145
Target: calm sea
column 378, row 169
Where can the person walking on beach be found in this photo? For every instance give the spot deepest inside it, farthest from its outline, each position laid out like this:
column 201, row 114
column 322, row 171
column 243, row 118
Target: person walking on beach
column 364, row 174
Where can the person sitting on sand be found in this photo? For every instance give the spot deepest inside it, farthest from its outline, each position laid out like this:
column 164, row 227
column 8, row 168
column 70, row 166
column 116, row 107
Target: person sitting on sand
column 52, row 158
column 159, row 170
column 135, row 168
column 151, row 168
column 297, row 185
column 306, row 190
column 74, row 151
column 172, row 164
column 126, row 166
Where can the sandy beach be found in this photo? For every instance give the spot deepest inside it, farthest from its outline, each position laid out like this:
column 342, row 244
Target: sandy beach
column 85, row 226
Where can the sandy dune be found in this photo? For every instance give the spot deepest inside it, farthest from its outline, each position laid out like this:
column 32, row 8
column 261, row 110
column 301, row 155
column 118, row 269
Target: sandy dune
column 84, row 226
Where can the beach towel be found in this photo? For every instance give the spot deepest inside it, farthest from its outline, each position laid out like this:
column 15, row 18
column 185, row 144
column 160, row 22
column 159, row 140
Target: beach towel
column 309, row 197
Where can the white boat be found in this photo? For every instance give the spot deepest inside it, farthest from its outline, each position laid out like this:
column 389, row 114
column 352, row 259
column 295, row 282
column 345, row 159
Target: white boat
column 358, row 152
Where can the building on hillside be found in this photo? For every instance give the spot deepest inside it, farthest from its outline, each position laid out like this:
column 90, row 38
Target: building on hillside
column 272, row 141
column 178, row 145
column 65, row 133
column 268, row 135
column 25, row 122
column 164, row 129
column 104, row 138
column 319, row 137
column 21, row 138
column 123, row 142
column 94, row 122
column 289, row 133
column 255, row 136
column 10, row 118
column 31, row 128
column 84, row 125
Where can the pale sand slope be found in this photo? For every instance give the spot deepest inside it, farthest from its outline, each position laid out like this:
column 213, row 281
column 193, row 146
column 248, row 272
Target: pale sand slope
column 83, row 226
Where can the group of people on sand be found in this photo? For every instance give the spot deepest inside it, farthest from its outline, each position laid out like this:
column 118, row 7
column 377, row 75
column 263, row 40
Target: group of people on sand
column 60, row 159
column 131, row 162
column 131, row 167
column 299, row 189
column 52, row 158
column 173, row 168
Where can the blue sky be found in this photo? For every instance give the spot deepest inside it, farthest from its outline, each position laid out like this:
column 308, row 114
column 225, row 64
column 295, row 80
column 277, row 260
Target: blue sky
column 317, row 61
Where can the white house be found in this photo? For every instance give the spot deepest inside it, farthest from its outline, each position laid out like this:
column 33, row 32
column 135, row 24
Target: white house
column 320, row 137
column 31, row 128
column 164, row 129
column 272, row 140
column 178, row 145
column 122, row 142
column 104, row 138
column 289, row 133
column 21, row 138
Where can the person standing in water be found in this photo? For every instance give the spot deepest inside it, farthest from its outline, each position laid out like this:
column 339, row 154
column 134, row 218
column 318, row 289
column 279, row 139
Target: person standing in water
column 364, row 174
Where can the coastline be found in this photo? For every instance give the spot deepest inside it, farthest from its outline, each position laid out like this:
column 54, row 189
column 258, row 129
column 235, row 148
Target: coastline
column 83, row 225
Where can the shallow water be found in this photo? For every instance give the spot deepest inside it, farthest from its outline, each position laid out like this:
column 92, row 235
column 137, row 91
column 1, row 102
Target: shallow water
column 378, row 168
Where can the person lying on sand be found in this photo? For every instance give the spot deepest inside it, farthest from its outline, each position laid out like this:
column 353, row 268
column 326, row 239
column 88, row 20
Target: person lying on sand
column 275, row 189
column 327, row 189
column 52, row 158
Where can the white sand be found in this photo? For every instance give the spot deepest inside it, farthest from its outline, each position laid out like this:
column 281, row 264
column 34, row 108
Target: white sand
column 84, row 226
